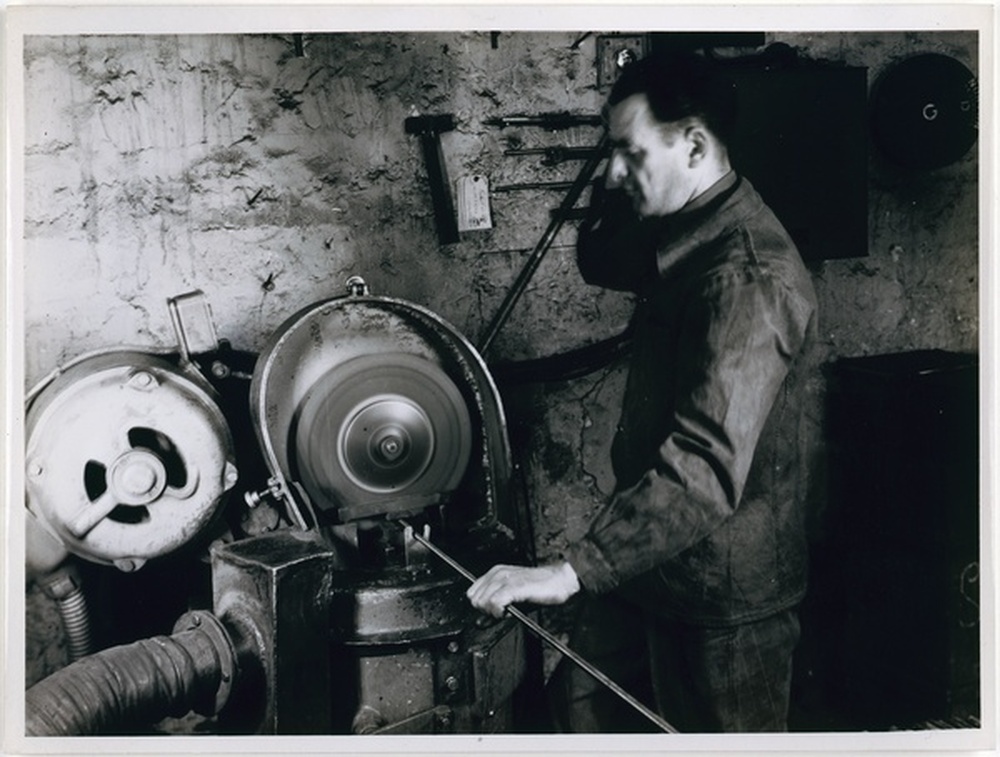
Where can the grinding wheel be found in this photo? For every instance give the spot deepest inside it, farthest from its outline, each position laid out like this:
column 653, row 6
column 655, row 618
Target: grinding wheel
column 379, row 428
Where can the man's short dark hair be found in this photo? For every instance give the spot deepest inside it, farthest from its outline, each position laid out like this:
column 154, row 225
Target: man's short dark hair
column 681, row 85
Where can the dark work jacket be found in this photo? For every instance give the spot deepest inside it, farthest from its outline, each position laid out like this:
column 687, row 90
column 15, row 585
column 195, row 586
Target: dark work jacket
column 707, row 520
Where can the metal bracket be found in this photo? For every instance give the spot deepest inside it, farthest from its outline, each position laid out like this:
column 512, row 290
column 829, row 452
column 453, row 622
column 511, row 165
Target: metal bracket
column 429, row 129
column 225, row 652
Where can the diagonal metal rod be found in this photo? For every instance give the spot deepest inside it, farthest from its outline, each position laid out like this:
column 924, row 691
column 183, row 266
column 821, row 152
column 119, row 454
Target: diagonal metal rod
column 552, row 640
column 517, row 289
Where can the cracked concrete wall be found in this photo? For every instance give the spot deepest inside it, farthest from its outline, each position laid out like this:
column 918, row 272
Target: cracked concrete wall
column 160, row 164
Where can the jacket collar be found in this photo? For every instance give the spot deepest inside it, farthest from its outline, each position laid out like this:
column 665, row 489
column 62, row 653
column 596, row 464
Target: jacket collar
column 728, row 206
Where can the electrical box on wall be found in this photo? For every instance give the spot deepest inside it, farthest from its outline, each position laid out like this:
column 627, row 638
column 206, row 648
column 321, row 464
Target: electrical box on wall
column 614, row 52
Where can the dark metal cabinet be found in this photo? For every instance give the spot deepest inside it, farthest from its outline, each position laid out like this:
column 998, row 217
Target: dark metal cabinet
column 899, row 564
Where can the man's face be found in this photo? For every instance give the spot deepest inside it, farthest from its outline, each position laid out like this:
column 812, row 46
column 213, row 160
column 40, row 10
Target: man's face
column 649, row 160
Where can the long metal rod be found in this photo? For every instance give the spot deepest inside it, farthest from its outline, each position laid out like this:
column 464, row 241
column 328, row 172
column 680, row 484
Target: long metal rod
column 517, row 289
column 552, row 640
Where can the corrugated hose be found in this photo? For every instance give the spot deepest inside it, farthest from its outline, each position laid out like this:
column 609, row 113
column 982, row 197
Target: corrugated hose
column 139, row 683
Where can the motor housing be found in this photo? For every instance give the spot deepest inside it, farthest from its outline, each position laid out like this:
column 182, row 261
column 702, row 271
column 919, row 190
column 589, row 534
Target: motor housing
column 128, row 457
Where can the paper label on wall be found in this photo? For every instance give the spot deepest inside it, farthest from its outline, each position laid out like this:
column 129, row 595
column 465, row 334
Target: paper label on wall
column 473, row 203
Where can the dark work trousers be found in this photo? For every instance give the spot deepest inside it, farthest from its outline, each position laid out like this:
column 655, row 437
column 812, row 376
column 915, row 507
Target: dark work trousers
column 699, row 679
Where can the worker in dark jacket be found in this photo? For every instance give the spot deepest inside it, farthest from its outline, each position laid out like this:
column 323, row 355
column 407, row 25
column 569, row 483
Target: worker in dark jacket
column 693, row 570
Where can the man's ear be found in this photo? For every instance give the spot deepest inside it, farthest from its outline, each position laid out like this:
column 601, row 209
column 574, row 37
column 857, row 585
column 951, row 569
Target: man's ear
column 697, row 142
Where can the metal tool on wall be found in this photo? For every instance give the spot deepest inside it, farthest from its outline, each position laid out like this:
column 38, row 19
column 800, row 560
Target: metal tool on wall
column 534, row 186
column 554, row 155
column 548, row 237
column 429, row 129
column 550, row 121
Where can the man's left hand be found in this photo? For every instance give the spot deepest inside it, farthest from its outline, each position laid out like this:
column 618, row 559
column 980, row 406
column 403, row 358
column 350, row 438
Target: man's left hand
column 503, row 584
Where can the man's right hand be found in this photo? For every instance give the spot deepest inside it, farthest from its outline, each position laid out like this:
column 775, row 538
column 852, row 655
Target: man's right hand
column 503, row 584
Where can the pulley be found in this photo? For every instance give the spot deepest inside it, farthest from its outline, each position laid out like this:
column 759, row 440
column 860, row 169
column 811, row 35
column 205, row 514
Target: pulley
column 128, row 457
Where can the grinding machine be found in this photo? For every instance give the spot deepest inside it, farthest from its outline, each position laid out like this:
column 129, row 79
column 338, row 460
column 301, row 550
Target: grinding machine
column 378, row 431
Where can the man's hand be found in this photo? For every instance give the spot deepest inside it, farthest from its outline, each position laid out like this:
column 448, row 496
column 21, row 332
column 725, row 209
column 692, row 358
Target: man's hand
column 503, row 584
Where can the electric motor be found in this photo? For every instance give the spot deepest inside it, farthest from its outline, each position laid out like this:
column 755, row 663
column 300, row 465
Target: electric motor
column 128, row 457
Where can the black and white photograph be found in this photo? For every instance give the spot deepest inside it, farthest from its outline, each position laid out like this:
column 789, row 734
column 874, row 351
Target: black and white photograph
column 479, row 379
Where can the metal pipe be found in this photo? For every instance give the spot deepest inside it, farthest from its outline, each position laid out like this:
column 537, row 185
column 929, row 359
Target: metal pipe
column 543, row 245
column 553, row 641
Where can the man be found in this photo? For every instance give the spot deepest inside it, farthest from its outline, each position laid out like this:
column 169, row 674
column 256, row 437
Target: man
column 691, row 573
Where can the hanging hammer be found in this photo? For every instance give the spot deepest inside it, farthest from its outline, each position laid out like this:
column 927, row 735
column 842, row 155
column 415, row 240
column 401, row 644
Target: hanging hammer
column 430, row 128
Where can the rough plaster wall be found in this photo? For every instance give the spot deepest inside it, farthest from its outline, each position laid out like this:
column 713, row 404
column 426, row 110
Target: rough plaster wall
column 161, row 164
column 157, row 165
column 918, row 287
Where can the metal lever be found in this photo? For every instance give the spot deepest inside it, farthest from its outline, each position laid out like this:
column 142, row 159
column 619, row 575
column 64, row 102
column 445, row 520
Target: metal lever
column 552, row 640
column 193, row 325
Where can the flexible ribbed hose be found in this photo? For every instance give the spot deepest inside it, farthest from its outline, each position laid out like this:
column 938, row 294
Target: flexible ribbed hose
column 76, row 621
column 62, row 584
column 137, row 684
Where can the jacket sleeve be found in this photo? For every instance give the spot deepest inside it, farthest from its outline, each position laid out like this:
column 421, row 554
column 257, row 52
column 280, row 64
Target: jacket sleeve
column 614, row 247
column 739, row 336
